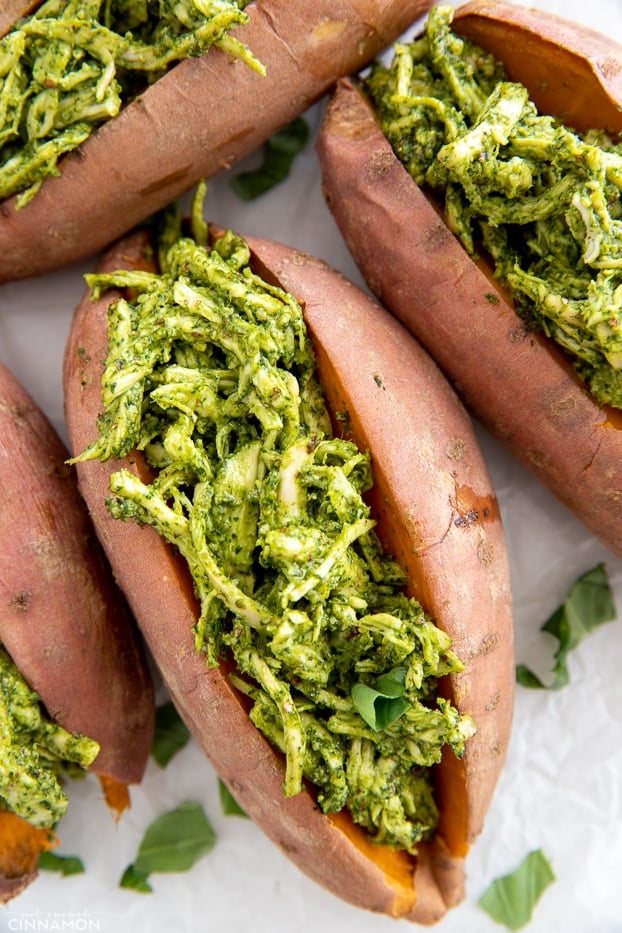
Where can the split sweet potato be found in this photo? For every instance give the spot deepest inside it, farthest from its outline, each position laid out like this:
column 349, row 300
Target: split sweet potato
column 201, row 117
column 63, row 621
column 437, row 514
column 514, row 379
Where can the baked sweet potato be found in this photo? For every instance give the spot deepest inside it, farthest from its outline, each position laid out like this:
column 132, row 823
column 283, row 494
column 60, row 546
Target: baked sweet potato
column 64, row 623
column 437, row 514
column 514, row 378
column 199, row 118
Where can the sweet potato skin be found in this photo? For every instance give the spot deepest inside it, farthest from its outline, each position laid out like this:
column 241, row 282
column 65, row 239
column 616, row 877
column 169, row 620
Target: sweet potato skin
column 12, row 10
column 572, row 71
column 513, row 380
column 62, row 618
column 204, row 115
column 466, row 560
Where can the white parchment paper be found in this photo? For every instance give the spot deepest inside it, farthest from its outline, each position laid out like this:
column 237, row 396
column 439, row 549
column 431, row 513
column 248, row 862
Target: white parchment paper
column 562, row 787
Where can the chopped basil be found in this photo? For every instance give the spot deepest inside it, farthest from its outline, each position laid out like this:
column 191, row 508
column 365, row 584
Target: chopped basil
column 64, row 864
column 383, row 703
column 170, row 736
column 511, row 899
column 588, row 605
column 174, row 842
column 278, row 154
column 230, row 806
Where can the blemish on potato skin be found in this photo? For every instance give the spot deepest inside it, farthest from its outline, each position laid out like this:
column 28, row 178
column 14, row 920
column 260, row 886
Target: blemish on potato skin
column 16, row 412
column 456, row 448
column 537, row 457
column 329, row 29
column 519, row 334
column 380, row 164
column 485, row 553
column 488, row 643
column 20, row 602
column 493, row 703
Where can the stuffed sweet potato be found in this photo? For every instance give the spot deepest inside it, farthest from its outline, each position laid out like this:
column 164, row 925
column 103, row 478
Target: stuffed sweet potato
column 531, row 348
column 269, row 591
column 201, row 116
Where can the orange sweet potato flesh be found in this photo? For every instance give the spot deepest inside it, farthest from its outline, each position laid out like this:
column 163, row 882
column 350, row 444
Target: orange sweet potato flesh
column 515, row 381
column 200, row 118
column 19, row 855
column 438, row 514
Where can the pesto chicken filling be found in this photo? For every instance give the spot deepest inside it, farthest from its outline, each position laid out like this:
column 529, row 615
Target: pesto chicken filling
column 73, row 64
column 34, row 751
column 211, row 374
column 543, row 202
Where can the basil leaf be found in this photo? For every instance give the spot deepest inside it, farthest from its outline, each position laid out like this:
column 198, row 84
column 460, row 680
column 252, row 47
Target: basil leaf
column 170, row 735
column 392, row 683
column 278, row 154
column 511, row 899
column 588, row 605
column 65, row 864
column 172, row 843
column 381, row 705
column 230, row 806
column 135, row 881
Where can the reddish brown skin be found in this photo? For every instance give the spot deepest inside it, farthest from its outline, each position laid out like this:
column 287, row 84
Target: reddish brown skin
column 516, row 382
column 572, row 72
column 62, row 619
column 200, row 118
column 395, row 386
column 13, row 10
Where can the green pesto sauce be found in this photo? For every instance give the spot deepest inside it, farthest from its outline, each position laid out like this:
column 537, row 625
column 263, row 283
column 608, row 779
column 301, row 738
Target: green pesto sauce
column 211, row 373
column 73, row 64
column 33, row 751
column 543, row 202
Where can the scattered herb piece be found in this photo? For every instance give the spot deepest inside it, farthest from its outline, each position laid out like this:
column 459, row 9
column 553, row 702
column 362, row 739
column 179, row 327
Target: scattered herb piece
column 588, row 605
column 230, row 806
column 278, row 154
column 173, row 843
column 65, row 864
column 511, row 899
column 381, row 705
column 170, row 736
column 492, row 298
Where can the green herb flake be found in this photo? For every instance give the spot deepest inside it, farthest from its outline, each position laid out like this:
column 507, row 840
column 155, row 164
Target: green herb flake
column 174, row 842
column 383, row 703
column 170, row 736
column 64, row 864
column 230, row 806
column 492, row 298
column 279, row 153
column 511, row 899
column 588, row 605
